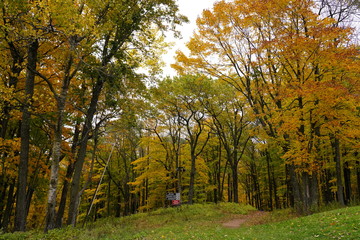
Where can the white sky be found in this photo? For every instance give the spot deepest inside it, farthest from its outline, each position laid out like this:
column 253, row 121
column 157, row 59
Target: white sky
column 192, row 9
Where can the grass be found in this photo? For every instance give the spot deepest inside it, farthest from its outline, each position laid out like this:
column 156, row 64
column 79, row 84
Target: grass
column 205, row 222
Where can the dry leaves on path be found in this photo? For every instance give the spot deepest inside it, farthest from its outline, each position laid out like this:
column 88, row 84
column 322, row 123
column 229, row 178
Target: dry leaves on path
column 253, row 218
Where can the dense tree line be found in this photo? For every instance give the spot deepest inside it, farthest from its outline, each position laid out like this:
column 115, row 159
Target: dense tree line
column 265, row 109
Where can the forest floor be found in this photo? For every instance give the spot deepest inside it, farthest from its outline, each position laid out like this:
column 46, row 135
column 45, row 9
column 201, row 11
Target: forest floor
column 211, row 222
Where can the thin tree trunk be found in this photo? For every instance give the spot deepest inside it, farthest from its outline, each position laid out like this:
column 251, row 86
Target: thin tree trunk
column 29, row 195
column 3, row 186
column 235, row 183
column 20, row 210
column 230, row 195
column 236, row 159
column 269, row 180
column 347, row 181
column 98, row 185
column 258, row 193
column 358, row 178
column 248, row 190
column 66, row 184
column 277, row 202
column 234, row 169
column 337, row 159
column 64, row 192
column 218, row 177
column 118, row 203
column 192, row 178
column 288, row 193
column 108, row 199
column 9, row 206
column 223, row 182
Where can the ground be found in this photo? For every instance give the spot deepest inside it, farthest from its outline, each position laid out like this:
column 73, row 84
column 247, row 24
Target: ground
column 253, row 218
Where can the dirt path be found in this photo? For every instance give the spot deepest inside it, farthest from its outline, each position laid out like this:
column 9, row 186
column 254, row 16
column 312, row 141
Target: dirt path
column 253, row 218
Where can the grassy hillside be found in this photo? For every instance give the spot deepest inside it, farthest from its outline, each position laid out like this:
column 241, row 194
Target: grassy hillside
column 207, row 222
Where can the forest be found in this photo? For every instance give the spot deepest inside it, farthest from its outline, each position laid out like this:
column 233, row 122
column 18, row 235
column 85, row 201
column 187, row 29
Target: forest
column 264, row 109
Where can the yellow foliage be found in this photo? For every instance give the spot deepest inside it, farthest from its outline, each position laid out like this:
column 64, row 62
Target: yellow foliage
column 297, row 70
column 9, row 149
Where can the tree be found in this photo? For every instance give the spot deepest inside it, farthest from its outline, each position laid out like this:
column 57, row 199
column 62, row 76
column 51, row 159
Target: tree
column 275, row 55
column 344, row 12
column 182, row 95
column 230, row 124
column 132, row 19
column 21, row 211
column 81, row 46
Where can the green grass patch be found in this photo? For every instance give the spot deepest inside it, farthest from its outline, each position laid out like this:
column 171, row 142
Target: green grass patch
column 204, row 221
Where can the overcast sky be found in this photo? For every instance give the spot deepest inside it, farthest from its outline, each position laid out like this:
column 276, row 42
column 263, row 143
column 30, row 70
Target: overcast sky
column 192, row 9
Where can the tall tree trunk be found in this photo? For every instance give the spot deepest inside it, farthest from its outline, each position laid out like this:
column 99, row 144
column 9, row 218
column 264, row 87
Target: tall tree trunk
column 337, row 159
column 56, row 149
column 309, row 192
column 295, row 189
column 326, row 178
column 54, row 174
column 314, row 190
column 75, row 184
column 306, row 192
column 314, row 185
column 20, row 210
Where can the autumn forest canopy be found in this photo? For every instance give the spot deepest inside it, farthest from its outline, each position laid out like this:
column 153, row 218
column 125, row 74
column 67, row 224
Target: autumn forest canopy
column 264, row 109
